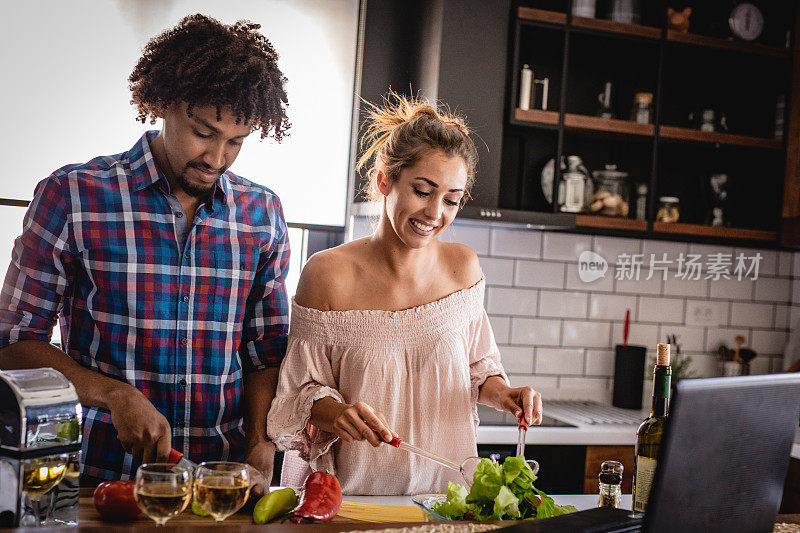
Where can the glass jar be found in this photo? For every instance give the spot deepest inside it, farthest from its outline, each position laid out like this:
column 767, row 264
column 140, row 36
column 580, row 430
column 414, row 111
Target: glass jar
column 642, row 111
column 610, row 484
column 575, row 187
column 612, row 196
column 668, row 210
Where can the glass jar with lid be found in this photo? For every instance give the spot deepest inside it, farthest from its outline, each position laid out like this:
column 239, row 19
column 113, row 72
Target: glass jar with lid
column 642, row 111
column 612, row 194
column 668, row 210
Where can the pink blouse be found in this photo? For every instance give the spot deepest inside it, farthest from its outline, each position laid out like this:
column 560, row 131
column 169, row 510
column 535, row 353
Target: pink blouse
column 420, row 367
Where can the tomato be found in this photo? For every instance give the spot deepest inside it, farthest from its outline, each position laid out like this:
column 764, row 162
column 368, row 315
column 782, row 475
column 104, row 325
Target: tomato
column 115, row 502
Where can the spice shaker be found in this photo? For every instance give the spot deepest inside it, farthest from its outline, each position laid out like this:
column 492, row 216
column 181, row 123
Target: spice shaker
column 641, row 201
column 610, row 484
column 642, row 111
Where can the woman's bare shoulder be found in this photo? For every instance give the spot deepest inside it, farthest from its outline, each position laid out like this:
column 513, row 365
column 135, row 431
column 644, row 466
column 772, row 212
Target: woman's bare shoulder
column 462, row 262
column 326, row 274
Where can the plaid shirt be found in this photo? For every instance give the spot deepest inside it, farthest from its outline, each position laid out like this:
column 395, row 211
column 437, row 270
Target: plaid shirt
column 99, row 249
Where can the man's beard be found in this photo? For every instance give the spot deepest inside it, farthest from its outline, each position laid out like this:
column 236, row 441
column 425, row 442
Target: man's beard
column 197, row 191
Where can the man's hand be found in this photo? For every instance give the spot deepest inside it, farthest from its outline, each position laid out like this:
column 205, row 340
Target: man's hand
column 261, row 456
column 142, row 430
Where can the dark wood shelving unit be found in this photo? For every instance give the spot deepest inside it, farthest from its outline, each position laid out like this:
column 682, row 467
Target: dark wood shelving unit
column 679, row 228
column 727, row 44
column 537, row 116
column 580, row 54
column 621, row 28
column 689, row 134
column 541, row 15
column 599, row 221
column 607, row 125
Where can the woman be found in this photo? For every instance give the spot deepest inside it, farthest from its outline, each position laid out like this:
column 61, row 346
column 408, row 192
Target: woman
column 388, row 333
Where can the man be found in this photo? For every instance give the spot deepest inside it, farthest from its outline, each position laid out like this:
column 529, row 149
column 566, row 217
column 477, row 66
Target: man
column 167, row 270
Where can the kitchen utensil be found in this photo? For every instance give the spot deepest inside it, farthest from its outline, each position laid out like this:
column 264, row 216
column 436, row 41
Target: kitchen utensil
column 466, row 468
column 745, row 356
column 739, row 340
column 626, row 327
column 605, row 102
column 523, row 429
column 40, row 448
column 525, row 86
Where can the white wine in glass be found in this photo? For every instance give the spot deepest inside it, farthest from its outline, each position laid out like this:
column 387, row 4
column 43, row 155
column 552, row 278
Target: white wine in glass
column 162, row 490
column 222, row 488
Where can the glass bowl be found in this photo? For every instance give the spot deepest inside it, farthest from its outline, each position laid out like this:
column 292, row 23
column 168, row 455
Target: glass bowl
column 426, row 503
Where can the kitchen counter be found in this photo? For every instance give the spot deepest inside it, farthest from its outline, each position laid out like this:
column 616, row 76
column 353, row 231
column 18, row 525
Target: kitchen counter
column 241, row 521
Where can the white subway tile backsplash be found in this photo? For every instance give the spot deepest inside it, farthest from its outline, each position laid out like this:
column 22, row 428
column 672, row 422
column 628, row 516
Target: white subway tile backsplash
column 502, row 301
column 707, row 249
column 796, row 265
column 498, row 271
column 586, row 384
column 768, row 265
column 611, row 306
column 760, row 365
column 784, row 263
column 782, row 316
column 574, row 282
column 586, row 334
column 733, row 289
column 690, row 339
column 767, row 342
column 794, row 317
column 704, row 365
column 362, row 226
column 773, row 289
column 639, row 286
column 507, row 242
column 537, row 382
column 562, row 304
column 719, row 308
column 676, row 286
column 639, row 334
column 752, row 315
column 474, row 236
column 540, row 274
column 611, row 247
column 599, row 363
column 661, row 309
column 659, row 248
column 536, row 331
column 564, row 246
column 559, row 361
column 501, row 326
column 517, row 359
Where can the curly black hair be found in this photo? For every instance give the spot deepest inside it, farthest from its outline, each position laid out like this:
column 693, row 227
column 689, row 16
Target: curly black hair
column 203, row 62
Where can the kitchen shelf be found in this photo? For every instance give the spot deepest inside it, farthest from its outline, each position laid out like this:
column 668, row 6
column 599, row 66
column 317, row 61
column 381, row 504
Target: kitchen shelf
column 536, row 116
column 621, row 28
column 690, row 134
column 599, row 221
column 541, row 15
column 727, row 44
column 608, row 125
column 680, row 228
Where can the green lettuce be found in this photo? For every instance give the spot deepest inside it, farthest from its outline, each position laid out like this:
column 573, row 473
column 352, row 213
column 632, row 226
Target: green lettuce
column 500, row 492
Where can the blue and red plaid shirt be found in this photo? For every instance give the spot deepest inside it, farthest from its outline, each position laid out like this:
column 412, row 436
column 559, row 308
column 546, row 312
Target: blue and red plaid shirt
column 184, row 326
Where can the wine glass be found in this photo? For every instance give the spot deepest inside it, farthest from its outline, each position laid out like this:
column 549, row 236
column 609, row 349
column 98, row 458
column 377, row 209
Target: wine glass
column 221, row 488
column 39, row 477
column 162, row 490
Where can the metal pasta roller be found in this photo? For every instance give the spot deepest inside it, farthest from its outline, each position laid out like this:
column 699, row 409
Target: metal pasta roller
column 40, row 449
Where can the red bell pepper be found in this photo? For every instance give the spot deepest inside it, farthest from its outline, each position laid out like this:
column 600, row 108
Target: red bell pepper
column 320, row 499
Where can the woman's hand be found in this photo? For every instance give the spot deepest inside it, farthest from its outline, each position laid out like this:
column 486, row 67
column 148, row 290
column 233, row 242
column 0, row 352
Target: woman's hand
column 518, row 401
column 361, row 422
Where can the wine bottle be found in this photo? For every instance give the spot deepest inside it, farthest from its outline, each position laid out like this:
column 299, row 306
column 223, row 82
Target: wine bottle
column 648, row 436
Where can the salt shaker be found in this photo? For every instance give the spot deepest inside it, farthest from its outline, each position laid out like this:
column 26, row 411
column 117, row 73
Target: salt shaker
column 610, row 484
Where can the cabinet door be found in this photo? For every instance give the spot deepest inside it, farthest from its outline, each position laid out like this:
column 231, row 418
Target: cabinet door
column 595, row 455
column 790, row 223
column 472, row 79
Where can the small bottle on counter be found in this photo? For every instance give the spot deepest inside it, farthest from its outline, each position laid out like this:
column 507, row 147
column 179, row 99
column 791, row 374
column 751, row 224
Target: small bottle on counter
column 641, row 201
column 610, row 484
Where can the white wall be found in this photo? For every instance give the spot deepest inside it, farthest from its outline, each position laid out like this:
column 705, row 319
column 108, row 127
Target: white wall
column 65, row 95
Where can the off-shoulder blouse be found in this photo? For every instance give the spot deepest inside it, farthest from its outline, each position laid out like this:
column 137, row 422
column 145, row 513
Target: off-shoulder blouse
column 421, row 367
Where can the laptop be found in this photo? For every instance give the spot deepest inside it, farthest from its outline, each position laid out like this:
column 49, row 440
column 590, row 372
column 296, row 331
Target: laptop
column 721, row 466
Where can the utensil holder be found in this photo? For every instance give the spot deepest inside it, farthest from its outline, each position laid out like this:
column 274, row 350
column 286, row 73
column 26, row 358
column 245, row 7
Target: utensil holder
column 628, row 376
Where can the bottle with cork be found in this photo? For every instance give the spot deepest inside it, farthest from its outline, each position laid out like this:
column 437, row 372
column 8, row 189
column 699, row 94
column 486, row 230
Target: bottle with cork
column 648, row 436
